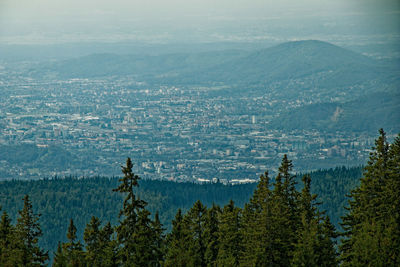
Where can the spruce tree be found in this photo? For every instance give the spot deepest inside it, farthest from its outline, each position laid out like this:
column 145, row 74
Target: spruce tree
column 305, row 251
column 109, row 246
column 134, row 232
column 211, row 235
column 100, row 248
column 372, row 225
column 284, row 215
column 91, row 236
column 27, row 233
column 60, row 260
column 315, row 244
column 229, row 236
column 194, row 225
column 73, row 249
column 159, row 241
column 258, row 226
column 7, row 242
column 177, row 241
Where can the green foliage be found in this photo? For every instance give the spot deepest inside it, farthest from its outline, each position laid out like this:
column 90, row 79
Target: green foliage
column 279, row 225
column 350, row 116
column 27, row 233
column 135, row 234
column 229, row 236
column 372, row 235
column 7, row 242
column 80, row 199
column 176, row 243
column 73, row 249
column 19, row 243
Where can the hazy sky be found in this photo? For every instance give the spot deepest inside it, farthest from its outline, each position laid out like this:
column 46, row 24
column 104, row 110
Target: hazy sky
column 35, row 21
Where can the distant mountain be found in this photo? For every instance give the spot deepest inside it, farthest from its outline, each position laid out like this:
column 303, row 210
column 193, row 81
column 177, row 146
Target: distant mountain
column 369, row 114
column 325, row 64
column 98, row 65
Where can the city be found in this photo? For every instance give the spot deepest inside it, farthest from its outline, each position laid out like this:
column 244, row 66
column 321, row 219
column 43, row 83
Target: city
column 180, row 134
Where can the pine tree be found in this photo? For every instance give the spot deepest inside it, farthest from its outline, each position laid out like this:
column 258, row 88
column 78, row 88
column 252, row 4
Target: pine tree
column 134, row 232
column 211, row 232
column 315, row 236
column 100, row 249
column 72, row 250
column 7, row 242
column 284, row 215
column 327, row 253
column 177, row 240
column 109, row 246
column 27, row 233
column 257, row 226
column 159, row 242
column 372, row 223
column 229, row 236
column 305, row 251
column 60, row 260
column 194, row 225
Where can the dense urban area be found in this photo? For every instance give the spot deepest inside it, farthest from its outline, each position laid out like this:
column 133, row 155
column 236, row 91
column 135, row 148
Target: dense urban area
column 190, row 133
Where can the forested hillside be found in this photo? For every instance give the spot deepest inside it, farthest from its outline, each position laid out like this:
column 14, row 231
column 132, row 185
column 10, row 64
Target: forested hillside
column 79, row 199
column 352, row 116
column 280, row 223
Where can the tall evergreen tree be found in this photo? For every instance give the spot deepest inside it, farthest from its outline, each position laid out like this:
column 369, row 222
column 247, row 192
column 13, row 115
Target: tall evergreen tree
column 315, row 235
column 258, row 226
column 7, row 242
column 134, row 232
column 100, row 248
column 372, row 224
column 27, row 233
column 211, row 235
column 229, row 236
column 194, row 225
column 159, row 241
column 285, row 218
column 177, row 240
column 91, row 236
column 305, row 252
column 72, row 250
column 60, row 260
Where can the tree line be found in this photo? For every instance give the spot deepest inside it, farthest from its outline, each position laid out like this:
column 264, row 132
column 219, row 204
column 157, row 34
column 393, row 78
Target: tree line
column 281, row 225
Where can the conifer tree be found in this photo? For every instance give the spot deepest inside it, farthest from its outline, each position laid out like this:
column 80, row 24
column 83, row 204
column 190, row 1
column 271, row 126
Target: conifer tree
column 194, row 225
column 258, row 225
column 91, row 236
column 284, row 215
column 229, row 236
column 305, row 251
column 27, row 233
column 211, row 235
column 134, row 232
column 60, row 260
column 72, row 249
column 159, row 242
column 109, row 246
column 7, row 242
column 326, row 250
column 372, row 223
column 100, row 249
column 177, row 241
column 315, row 235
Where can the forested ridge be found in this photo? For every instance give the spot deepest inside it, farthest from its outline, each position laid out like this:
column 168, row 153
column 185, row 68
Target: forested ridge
column 279, row 221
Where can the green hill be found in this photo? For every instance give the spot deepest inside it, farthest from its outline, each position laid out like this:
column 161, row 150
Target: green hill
column 365, row 114
column 58, row 200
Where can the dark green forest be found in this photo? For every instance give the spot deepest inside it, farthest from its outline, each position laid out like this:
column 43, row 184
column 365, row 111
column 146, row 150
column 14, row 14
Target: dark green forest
column 281, row 221
column 80, row 198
